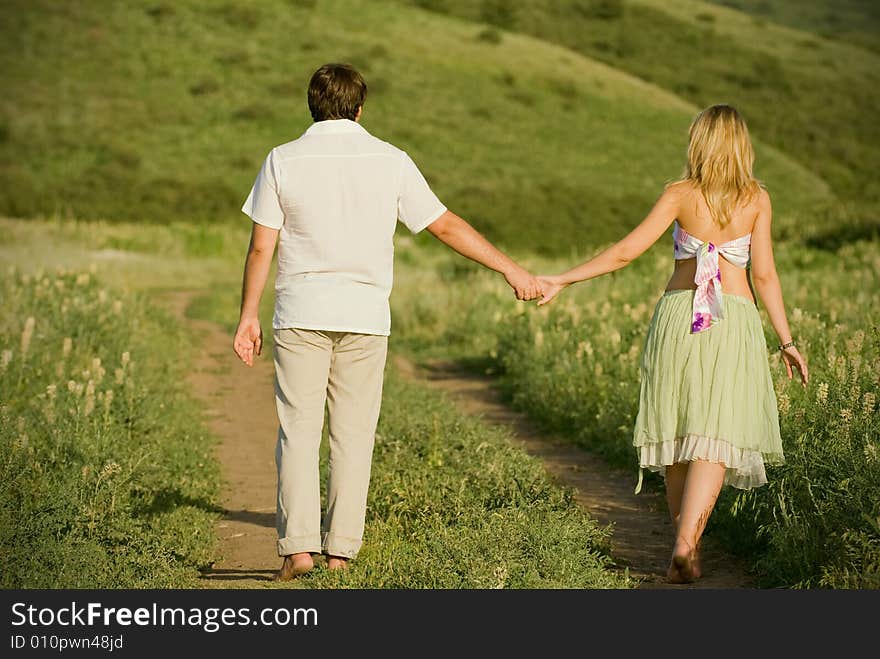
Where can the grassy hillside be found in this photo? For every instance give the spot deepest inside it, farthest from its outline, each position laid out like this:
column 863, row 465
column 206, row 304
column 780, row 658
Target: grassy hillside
column 164, row 111
column 851, row 21
column 806, row 95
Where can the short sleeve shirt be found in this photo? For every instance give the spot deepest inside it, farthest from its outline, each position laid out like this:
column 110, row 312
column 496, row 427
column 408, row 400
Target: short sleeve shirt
column 335, row 194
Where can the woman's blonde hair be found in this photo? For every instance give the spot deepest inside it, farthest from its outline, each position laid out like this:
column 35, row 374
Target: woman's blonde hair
column 719, row 161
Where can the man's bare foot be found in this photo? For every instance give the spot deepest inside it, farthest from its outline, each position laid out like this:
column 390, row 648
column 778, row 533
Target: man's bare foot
column 337, row 563
column 681, row 568
column 295, row 565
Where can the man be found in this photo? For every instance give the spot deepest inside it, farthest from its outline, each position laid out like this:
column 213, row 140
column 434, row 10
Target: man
column 334, row 196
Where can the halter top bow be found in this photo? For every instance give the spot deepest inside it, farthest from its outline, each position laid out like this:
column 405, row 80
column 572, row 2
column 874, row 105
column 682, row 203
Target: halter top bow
column 707, row 306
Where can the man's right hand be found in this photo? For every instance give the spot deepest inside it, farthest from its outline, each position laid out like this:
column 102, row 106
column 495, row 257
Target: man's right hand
column 248, row 340
column 524, row 284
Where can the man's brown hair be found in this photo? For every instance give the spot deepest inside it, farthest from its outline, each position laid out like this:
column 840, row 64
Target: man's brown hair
column 336, row 91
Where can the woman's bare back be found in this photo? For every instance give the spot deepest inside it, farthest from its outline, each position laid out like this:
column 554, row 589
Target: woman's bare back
column 694, row 218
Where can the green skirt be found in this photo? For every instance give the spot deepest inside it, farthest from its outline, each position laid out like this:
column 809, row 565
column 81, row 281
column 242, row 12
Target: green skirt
column 707, row 396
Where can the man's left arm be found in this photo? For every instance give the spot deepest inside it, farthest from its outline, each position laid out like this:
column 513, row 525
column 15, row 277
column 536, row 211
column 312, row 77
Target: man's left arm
column 455, row 232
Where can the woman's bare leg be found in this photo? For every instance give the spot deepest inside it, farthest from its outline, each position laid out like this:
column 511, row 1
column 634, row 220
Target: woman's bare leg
column 701, row 489
column 675, row 478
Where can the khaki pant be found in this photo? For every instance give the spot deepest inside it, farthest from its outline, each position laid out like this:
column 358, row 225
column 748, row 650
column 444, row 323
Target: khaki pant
column 345, row 370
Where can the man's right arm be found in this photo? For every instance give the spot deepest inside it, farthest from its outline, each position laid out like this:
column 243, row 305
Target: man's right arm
column 249, row 337
column 455, row 232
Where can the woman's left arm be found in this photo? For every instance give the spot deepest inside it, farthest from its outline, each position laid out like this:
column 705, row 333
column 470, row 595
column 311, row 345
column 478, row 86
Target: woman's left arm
column 621, row 253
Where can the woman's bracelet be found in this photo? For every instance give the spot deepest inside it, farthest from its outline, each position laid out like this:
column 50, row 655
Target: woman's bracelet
column 786, row 345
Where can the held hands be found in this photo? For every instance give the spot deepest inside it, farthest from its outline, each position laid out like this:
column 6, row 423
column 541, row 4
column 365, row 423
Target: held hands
column 524, row 284
column 248, row 340
column 551, row 285
column 794, row 360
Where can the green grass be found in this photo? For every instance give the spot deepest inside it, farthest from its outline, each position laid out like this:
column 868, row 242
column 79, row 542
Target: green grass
column 801, row 93
column 452, row 504
column 573, row 367
column 163, row 113
column 107, row 479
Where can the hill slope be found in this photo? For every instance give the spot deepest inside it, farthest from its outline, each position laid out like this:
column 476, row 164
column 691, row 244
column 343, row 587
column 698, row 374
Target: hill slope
column 813, row 98
column 166, row 112
column 849, row 21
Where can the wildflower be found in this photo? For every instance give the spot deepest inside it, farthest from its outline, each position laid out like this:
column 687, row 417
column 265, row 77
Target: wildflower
column 822, row 393
column 598, row 370
column 119, row 375
column 67, row 346
column 868, row 401
column 102, row 296
column 108, row 400
column 126, row 358
column 870, row 451
column 784, row 403
column 584, row 348
column 98, row 370
column 90, row 398
column 82, row 279
column 846, row 416
column 840, row 368
column 27, row 334
column 854, row 344
column 117, row 306
column 615, row 337
column 856, row 363
column 5, row 358
column 109, row 469
column 539, row 339
column 71, row 386
column 49, row 409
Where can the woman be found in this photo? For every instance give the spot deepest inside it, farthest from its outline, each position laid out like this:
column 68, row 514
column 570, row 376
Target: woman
column 707, row 409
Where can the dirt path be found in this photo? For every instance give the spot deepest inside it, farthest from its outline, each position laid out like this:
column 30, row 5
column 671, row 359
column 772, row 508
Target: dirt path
column 240, row 409
column 642, row 532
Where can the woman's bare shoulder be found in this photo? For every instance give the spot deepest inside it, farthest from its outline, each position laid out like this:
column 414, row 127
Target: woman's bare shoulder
column 760, row 202
column 679, row 187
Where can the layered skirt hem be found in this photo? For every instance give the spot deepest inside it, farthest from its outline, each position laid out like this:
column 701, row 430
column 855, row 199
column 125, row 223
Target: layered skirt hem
column 744, row 467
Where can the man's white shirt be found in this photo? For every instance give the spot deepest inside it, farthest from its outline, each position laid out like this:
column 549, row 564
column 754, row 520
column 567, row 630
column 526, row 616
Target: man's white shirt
column 336, row 194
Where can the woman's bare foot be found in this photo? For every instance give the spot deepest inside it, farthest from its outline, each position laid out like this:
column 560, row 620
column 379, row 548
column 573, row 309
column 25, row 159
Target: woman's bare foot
column 681, row 568
column 696, row 568
column 337, row 563
column 295, row 565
